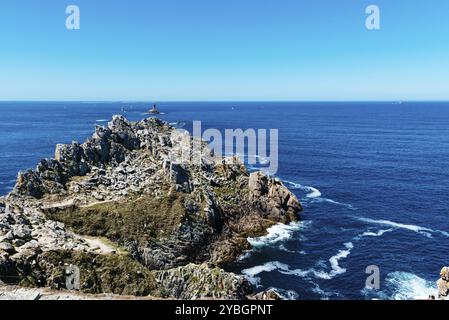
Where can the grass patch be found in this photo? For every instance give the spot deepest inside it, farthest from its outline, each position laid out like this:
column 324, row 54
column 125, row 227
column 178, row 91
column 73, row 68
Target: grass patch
column 140, row 219
column 118, row 274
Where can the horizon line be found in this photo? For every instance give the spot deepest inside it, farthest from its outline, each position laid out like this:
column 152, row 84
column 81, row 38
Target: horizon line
column 218, row 101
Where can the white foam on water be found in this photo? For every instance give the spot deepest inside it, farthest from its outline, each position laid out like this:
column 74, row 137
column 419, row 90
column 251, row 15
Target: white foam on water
column 251, row 273
column 325, row 295
column 266, row 267
column 340, row 203
column 418, row 229
column 375, row 234
column 101, row 120
column 244, row 256
column 336, row 269
column 379, row 233
column 334, row 262
column 278, row 233
column 314, row 193
column 407, row 286
column 292, row 185
column 342, row 254
column 283, row 248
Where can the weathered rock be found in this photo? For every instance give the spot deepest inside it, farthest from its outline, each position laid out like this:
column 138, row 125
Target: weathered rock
column 273, row 198
column 269, row 294
column 174, row 219
column 443, row 283
column 200, row 282
column 7, row 247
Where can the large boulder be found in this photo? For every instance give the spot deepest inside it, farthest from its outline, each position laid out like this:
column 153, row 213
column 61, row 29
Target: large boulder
column 201, row 282
column 273, row 198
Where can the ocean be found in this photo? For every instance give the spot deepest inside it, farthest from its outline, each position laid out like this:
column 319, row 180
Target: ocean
column 373, row 179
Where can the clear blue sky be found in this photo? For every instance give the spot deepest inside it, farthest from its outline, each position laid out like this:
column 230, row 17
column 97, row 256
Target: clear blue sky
column 224, row 50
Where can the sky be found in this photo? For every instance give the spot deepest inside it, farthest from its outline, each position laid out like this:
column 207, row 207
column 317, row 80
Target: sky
column 224, row 50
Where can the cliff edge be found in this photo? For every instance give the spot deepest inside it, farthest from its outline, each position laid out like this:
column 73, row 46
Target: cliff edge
column 130, row 221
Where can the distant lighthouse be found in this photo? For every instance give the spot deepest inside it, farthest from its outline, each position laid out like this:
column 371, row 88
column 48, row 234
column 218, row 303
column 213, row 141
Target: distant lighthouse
column 154, row 110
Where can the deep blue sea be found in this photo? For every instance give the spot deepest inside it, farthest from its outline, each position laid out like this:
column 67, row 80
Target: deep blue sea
column 373, row 179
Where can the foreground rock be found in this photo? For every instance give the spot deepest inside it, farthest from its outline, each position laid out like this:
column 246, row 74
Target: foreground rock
column 132, row 220
column 443, row 284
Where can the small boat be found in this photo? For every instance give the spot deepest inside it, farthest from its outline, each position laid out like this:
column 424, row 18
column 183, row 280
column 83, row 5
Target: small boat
column 154, row 110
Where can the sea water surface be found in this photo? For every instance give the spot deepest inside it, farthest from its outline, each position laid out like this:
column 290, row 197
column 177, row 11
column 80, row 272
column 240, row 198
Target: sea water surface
column 373, row 179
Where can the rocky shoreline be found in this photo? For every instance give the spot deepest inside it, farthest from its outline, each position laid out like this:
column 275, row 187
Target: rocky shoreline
column 133, row 221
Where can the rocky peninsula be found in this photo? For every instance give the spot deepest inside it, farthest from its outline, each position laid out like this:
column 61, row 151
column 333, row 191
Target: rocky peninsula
column 135, row 223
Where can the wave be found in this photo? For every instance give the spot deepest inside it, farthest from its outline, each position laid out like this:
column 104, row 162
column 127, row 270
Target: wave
column 278, row 233
column 342, row 254
column 283, row 268
column 101, row 120
column 315, row 194
column 312, row 191
column 244, row 256
column 340, row 204
column 404, row 286
column 418, row 229
column 266, row 267
column 324, row 294
column 368, row 233
column 336, row 269
column 376, row 234
column 410, row 286
column 283, row 248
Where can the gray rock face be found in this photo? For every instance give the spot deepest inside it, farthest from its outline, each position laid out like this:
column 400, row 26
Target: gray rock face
column 273, row 197
column 269, row 294
column 108, row 146
column 443, row 283
column 200, row 282
column 7, row 247
column 200, row 214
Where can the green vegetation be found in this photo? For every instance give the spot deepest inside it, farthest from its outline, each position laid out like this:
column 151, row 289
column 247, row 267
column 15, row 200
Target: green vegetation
column 139, row 219
column 118, row 274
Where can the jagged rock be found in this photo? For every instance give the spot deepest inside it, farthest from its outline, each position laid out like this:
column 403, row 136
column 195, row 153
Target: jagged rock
column 273, row 197
column 443, row 283
column 180, row 177
column 7, row 247
column 269, row 294
column 171, row 218
column 200, row 281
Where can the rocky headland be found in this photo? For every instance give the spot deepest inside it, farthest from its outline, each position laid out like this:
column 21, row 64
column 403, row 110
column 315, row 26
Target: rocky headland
column 134, row 222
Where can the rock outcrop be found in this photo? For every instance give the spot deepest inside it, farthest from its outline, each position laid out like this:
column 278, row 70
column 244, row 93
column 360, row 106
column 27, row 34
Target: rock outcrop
column 168, row 227
column 443, row 283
